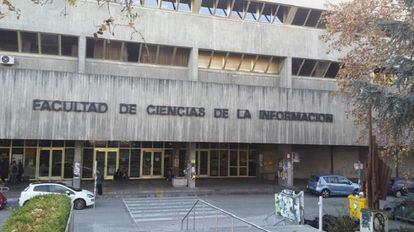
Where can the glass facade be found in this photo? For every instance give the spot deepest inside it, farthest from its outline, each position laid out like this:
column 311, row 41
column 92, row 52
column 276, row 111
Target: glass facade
column 53, row 159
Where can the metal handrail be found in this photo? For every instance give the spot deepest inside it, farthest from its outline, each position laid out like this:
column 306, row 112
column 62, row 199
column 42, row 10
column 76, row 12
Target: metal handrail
column 222, row 211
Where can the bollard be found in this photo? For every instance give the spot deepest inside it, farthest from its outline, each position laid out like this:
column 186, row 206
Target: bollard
column 320, row 203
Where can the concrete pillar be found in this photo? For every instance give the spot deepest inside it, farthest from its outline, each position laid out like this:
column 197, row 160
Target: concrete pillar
column 191, row 157
column 193, row 65
column 286, row 73
column 287, row 179
column 195, row 6
column 77, row 165
column 81, row 54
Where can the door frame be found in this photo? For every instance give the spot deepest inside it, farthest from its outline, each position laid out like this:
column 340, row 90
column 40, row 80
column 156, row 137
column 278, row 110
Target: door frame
column 62, row 164
column 106, row 150
column 151, row 150
column 198, row 163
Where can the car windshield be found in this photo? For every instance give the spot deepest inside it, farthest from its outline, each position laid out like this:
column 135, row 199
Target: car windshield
column 314, row 178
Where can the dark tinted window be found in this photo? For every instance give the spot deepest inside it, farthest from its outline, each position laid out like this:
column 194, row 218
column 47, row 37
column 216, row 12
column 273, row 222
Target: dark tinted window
column 333, row 70
column 300, row 17
column 30, row 43
column 50, row 44
column 296, row 63
column 94, row 48
column 313, row 18
column 41, row 188
column 132, row 50
column 69, row 46
column 8, row 40
column 307, row 68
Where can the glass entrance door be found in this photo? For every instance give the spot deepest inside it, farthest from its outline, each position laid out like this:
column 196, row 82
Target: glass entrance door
column 202, row 162
column 152, row 163
column 107, row 161
column 50, row 163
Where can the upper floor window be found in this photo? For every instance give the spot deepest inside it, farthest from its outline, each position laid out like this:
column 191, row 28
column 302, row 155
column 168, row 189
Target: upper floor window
column 8, row 41
column 314, row 68
column 231, row 61
column 265, row 12
column 38, row 43
column 176, row 5
column 137, row 52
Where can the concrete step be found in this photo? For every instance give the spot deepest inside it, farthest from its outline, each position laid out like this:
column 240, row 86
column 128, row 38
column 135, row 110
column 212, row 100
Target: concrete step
column 167, row 209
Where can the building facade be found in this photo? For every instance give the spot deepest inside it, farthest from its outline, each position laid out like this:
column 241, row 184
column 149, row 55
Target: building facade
column 228, row 87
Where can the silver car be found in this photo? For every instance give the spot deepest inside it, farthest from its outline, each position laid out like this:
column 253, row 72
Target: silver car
column 328, row 185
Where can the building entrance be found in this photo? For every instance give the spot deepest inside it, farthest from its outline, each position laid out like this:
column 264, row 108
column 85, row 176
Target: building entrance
column 152, row 163
column 107, row 161
column 50, row 163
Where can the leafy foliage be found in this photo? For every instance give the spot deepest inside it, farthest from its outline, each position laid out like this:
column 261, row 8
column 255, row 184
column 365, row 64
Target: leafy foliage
column 377, row 37
column 48, row 213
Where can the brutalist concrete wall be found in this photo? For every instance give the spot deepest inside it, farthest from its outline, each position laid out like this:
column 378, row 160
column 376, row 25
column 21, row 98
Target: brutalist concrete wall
column 21, row 87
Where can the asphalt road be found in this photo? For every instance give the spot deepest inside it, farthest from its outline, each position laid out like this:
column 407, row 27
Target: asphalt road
column 112, row 215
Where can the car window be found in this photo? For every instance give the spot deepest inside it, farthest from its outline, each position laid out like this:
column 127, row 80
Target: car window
column 315, row 178
column 41, row 188
column 343, row 180
column 58, row 189
column 333, row 180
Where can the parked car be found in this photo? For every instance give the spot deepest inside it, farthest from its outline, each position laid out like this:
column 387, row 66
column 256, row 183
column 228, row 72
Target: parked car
column 400, row 187
column 3, row 200
column 329, row 185
column 80, row 198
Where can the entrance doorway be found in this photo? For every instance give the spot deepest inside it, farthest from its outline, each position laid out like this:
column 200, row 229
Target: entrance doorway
column 152, row 163
column 50, row 163
column 107, row 161
column 202, row 163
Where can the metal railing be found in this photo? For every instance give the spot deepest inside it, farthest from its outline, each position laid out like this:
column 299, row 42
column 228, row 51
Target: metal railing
column 218, row 210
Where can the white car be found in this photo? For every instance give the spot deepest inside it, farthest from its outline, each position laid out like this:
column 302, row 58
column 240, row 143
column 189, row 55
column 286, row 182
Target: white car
column 80, row 198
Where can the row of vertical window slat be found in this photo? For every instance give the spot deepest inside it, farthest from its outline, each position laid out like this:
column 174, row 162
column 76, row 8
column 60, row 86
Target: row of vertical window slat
column 219, row 60
column 243, row 9
column 38, row 43
column 137, row 52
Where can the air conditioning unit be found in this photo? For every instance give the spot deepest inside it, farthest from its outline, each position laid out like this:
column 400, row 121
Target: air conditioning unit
column 7, row 60
column 373, row 221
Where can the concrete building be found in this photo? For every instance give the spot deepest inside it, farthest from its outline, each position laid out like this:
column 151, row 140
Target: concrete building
column 228, row 87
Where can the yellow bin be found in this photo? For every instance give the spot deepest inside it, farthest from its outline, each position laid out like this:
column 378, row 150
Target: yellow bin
column 356, row 203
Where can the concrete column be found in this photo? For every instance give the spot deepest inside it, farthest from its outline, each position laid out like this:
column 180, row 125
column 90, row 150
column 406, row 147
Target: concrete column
column 195, row 6
column 191, row 157
column 77, row 164
column 193, row 64
column 287, row 179
column 81, row 54
column 286, row 73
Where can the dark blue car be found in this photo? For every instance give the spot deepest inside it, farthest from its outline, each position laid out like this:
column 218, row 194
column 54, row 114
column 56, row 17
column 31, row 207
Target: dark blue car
column 329, row 185
column 400, row 187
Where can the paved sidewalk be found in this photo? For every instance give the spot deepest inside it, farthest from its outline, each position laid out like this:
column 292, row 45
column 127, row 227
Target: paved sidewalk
column 163, row 188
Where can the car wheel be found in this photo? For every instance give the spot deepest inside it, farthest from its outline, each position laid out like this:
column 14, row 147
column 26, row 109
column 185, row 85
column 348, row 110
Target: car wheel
column 79, row 204
column 325, row 193
column 398, row 194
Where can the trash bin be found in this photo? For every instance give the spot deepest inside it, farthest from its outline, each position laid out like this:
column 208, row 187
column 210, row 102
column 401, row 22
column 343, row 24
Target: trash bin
column 356, row 203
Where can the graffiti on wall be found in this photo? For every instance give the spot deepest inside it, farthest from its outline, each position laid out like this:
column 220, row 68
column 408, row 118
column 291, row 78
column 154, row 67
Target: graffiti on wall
column 289, row 205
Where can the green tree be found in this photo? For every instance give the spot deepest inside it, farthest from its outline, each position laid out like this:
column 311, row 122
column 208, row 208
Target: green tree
column 377, row 38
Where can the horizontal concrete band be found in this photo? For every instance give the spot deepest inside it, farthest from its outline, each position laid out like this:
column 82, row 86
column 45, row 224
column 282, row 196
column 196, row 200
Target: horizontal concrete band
column 69, row 106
